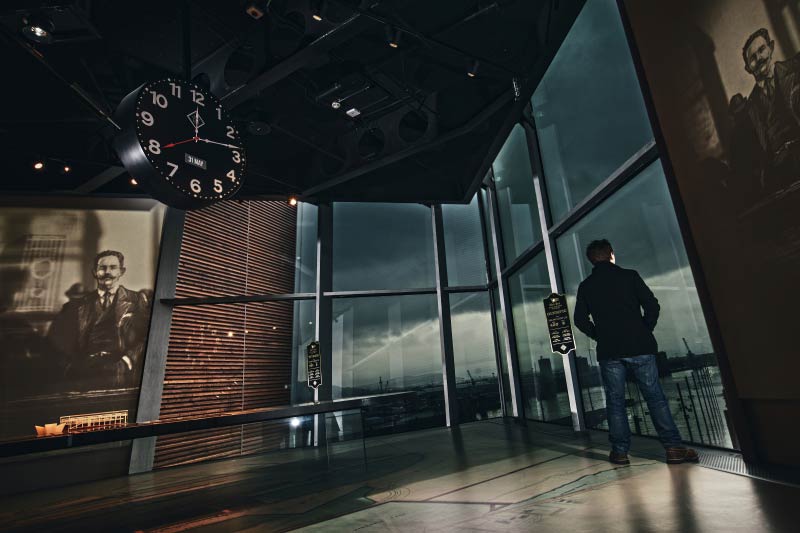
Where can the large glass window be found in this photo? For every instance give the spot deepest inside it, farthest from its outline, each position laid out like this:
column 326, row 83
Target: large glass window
column 588, row 108
column 640, row 223
column 390, row 344
column 544, row 389
column 477, row 388
column 382, row 246
column 463, row 244
column 516, row 199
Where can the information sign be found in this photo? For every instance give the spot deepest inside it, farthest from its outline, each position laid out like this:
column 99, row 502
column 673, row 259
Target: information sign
column 558, row 324
column 313, row 365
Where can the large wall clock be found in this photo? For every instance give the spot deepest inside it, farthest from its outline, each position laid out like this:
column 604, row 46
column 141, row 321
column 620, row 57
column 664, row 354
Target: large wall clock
column 180, row 144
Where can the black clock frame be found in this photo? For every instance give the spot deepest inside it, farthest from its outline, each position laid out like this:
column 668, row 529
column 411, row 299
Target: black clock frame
column 131, row 152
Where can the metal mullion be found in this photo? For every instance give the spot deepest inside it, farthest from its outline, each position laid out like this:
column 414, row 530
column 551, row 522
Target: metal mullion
column 509, row 338
column 323, row 327
column 497, row 353
column 465, row 288
column 445, row 324
column 379, row 292
column 484, row 233
column 646, row 155
column 554, row 272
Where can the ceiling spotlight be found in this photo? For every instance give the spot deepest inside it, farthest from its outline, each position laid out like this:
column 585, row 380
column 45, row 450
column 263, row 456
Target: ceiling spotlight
column 473, row 68
column 393, row 36
column 67, row 168
column 317, row 8
column 336, row 104
column 38, row 28
column 134, row 182
column 38, row 165
column 292, row 201
column 254, row 10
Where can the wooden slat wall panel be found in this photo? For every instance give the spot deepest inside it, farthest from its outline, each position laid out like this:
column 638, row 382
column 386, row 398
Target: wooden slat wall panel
column 232, row 356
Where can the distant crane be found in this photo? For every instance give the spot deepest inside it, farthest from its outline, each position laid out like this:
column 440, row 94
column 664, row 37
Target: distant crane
column 471, row 378
column 689, row 351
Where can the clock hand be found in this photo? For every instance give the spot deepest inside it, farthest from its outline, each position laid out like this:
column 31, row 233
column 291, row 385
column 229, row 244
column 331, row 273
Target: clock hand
column 196, row 121
column 221, row 144
column 170, row 145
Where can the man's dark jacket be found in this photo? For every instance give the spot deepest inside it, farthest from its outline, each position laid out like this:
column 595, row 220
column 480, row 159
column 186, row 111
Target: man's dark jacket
column 69, row 334
column 615, row 298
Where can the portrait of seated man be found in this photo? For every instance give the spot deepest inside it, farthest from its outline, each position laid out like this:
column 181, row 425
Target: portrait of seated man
column 101, row 334
column 766, row 137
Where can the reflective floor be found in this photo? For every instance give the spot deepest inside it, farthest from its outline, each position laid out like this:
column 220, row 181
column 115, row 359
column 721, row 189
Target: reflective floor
column 489, row 476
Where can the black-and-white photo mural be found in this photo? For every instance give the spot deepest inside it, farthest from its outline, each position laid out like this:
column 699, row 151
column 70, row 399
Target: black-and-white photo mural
column 724, row 76
column 76, row 289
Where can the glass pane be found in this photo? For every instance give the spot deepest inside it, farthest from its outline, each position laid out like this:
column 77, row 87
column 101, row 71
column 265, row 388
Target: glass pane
column 501, row 347
column 488, row 233
column 382, row 246
column 259, row 247
column 588, row 108
column 474, row 357
column 640, row 223
column 463, row 244
column 305, row 279
column 516, row 198
column 544, row 389
column 390, row 344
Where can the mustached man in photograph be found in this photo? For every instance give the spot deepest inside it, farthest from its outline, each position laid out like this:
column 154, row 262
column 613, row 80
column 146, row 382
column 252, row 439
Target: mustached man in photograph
column 101, row 334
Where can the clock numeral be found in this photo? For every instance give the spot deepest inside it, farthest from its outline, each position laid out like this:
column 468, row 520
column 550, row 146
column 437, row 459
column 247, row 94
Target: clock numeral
column 160, row 100
column 174, row 168
column 231, row 132
column 154, row 147
column 176, row 89
column 198, row 98
column 231, row 175
column 195, row 186
column 237, row 157
column 217, row 186
column 219, row 113
column 147, row 118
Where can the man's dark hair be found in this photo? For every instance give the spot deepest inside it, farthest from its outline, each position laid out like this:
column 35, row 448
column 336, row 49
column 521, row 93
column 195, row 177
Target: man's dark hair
column 761, row 32
column 599, row 251
column 106, row 253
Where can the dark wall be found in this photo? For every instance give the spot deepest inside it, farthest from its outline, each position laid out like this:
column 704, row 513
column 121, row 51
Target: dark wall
column 739, row 195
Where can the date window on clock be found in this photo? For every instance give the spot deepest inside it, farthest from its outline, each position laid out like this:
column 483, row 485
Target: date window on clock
column 196, row 161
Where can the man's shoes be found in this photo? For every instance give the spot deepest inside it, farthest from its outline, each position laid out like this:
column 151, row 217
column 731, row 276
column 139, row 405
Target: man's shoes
column 619, row 458
column 679, row 454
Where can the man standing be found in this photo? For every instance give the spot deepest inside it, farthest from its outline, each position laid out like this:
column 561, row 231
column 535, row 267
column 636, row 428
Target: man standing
column 766, row 137
column 615, row 298
column 101, row 334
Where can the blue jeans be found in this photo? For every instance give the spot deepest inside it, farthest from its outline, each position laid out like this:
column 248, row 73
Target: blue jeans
column 645, row 373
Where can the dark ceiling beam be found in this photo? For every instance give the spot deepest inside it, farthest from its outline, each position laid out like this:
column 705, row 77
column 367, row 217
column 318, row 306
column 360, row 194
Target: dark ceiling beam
column 433, row 42
column 99, row 180
column 76, row 89
column 307, row 142
column 338, row 35
column 470, row 125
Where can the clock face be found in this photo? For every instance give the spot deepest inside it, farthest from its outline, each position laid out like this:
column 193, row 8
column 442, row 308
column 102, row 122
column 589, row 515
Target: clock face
column 189, row 140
